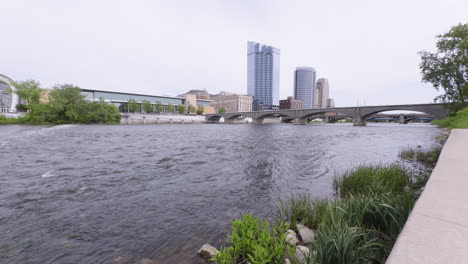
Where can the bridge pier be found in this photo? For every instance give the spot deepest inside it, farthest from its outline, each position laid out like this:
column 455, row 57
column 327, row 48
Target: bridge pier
column 301, row 121
column 359, row 121
column 402, row 119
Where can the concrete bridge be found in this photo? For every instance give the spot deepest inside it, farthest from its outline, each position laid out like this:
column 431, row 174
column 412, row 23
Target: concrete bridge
column 359, row 114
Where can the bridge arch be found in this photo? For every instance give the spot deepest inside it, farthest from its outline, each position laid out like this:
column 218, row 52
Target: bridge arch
column 274, row 114
column 439, row 112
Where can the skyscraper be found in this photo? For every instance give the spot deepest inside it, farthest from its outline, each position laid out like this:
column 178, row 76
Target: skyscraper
column 263, row 75
column 321, row 93
column 304, row 85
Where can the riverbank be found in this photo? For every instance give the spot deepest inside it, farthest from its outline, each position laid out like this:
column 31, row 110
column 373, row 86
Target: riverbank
column 360, row 225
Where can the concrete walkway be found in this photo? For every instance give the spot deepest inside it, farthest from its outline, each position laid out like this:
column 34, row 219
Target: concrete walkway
column 437, row 229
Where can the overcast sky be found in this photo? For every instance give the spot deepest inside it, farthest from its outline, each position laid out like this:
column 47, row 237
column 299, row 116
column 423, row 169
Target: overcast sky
column 366, row 49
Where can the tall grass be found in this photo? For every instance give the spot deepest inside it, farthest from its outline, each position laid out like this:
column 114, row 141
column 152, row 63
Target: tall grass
column 427, row 157
column 372, row 179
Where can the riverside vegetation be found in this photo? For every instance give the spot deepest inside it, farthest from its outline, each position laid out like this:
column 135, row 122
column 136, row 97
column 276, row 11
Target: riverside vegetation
column 360, row 226
column 63, row 105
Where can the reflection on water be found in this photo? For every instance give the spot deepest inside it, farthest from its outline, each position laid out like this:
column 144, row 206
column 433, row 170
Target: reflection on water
column 119, row 194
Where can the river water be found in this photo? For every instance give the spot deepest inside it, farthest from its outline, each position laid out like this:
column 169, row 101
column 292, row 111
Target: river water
column 126, row 194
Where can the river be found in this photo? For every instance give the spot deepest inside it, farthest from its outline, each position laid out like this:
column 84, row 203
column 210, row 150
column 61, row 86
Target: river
column 125, row 193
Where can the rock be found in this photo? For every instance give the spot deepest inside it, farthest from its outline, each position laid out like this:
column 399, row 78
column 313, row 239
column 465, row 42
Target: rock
column 306, row 234
column 286, row 261
column 291, row 237
column 207, row 252
column 301, row 254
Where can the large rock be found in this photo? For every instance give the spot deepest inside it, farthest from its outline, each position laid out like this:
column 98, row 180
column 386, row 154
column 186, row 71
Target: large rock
column 286, row 261
column 291, row 237
column 207, row 252
column 301, row 254
column 306, row 234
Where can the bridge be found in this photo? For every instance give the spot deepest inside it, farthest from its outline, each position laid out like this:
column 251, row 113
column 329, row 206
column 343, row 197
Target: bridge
column 359, row 114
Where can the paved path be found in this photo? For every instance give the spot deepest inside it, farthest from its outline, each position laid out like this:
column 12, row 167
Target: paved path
column 437, row 229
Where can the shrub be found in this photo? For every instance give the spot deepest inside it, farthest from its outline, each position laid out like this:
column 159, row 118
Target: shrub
column 252, row 240
column 372, row 179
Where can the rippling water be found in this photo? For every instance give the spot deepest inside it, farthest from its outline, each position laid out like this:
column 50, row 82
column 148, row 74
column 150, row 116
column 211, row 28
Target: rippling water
column 120, row 194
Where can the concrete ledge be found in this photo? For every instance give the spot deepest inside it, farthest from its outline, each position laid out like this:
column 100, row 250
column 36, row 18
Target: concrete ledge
column 437, row 229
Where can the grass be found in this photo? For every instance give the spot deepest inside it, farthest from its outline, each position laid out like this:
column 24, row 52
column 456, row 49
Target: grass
column 372, row 179
column 459, row 120
column 427, row 157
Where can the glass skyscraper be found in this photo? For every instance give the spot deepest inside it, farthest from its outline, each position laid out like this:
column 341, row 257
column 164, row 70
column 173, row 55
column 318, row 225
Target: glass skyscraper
column 304, row 85
column 263, row 75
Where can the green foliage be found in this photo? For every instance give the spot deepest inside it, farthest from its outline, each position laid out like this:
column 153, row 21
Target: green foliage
column 147, row 106
column 158, row 107
column 448, row 67
column 22, row 107
column 181, row 109
column 100, row 112
column 9, row 121
column 427, row 157
column 222, row 110
column 372, row 179
column 170, row 109
column 191, row 109
column 200, row 110
column 459, row 120
column 133, row 106
column 252, row 240
column 28, row 90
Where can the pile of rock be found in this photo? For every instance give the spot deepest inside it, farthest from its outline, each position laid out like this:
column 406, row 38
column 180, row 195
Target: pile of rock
column 306, row 236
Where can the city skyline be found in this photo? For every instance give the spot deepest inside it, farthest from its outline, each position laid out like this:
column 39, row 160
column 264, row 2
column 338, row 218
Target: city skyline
column 368, row 50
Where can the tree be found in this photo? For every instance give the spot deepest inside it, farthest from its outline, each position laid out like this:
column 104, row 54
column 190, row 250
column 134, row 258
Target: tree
column 67, row 104
column 222, row 110
column 191, row 109
column 133, row 106
column 147, row 106
column 200, row 110
column 28, row 90
column 181, row 109
column 448, row 67
column 170, row 108
column 159, row 107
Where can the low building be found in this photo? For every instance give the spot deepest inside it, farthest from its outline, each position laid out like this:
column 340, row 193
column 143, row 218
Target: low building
column 200, row 94
column 291, row 103
column 8, row 100
column 232, row 102
column 121, row 100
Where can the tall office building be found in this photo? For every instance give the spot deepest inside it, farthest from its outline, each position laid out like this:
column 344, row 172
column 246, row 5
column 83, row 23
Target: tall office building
column 263, row 75
column 304, row 85
column 321, row 93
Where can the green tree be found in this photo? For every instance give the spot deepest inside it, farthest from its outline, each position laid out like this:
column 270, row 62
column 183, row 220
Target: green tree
column 100, row 112
column 159, row 107
column 222, row 110
column 133, row 106
column 191, row 109
column 200, row 110
column 448, row 67
column 170, row 108
column 147, row 106
column 181, row 109
column 28, row 90
column 67, row 104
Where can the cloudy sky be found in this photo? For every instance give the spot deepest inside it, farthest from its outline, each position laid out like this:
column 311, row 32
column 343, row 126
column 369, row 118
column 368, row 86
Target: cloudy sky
column 366, row 49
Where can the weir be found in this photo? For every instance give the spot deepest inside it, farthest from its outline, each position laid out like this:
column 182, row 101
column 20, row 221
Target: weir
column 437, row 229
